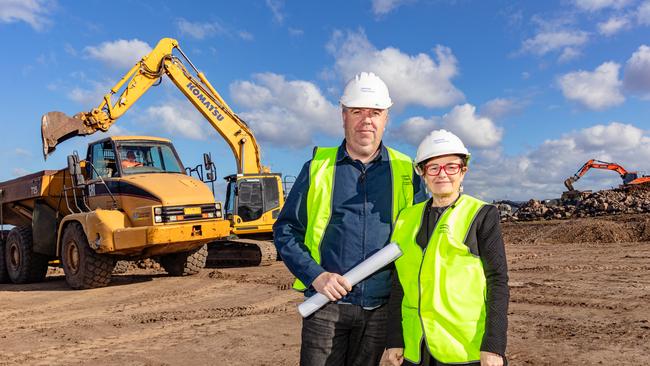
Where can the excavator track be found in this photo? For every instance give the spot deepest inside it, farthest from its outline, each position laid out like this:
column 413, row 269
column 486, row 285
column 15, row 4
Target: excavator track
column 241, row 252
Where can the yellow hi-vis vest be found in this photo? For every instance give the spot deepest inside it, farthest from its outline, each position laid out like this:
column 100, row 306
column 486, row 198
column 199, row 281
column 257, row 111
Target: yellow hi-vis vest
column 444, row 285
column 321, row 188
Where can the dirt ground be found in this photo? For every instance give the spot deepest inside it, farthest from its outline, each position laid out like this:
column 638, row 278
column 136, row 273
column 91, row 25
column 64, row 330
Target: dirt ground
column 573, row 302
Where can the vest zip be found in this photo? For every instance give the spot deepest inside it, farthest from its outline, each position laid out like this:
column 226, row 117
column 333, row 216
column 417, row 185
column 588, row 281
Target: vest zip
column 424, row 252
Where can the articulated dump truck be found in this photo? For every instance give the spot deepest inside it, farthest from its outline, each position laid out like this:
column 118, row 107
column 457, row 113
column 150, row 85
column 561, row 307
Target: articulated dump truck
column 129, row 199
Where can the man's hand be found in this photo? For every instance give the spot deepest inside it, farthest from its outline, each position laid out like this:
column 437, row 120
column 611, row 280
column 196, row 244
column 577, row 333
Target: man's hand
column 394, row 356
column 332, row 285
column 491, row 359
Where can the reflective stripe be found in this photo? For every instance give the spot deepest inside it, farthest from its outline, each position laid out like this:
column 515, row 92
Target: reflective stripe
column 444, row 285
column 322, row 171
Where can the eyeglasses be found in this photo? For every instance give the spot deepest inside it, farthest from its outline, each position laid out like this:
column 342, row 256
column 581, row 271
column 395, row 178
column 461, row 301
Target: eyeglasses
column 435, row 169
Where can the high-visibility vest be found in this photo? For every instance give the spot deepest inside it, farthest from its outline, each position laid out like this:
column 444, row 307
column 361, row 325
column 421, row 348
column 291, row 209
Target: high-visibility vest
column 321, row 188
column 444, row 285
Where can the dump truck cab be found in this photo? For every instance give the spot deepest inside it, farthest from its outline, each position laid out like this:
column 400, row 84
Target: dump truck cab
column 143, row 179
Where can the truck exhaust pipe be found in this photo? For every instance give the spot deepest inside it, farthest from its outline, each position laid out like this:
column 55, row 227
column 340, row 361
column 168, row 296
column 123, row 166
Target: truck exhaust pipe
column 56, row 127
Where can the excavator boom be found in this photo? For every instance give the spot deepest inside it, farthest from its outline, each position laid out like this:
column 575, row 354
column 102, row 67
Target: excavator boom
column 56, row 127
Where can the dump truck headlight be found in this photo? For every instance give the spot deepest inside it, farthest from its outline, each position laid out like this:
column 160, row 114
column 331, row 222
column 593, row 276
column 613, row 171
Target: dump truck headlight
column 157, row 210
column 158, row 219
column 218, row 213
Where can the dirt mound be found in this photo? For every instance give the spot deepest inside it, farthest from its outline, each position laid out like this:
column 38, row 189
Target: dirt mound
column 589, row 232
column 625, row 228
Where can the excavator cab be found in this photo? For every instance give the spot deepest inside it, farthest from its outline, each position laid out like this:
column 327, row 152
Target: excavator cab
column 253, row 202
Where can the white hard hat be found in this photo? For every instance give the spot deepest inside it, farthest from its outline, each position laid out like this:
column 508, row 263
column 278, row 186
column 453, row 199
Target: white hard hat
column 366, row 90
column 439, row 143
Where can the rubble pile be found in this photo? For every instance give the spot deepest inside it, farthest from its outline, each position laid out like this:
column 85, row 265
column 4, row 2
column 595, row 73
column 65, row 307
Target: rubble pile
column 628, row 200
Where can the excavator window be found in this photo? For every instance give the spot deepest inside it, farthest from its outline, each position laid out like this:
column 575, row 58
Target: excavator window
column 250, row 199
column 256, row 196
column 271, row 194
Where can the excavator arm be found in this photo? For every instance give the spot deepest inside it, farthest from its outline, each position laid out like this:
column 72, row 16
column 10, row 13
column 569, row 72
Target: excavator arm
column 598, row 164
column 57, row 127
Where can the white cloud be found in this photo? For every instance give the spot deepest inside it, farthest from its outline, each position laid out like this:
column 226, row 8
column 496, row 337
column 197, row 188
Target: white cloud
column 596, row 90
column 198, row 30
column 177, row 117
column 568, row 54
column 613, row 137
column 295, row 32
column 22, row 152
column 90, row 95
column 550, row 41
column 246, row 36
column 203, row 30
column 382, row 7
column 613, row 25
column 596, row 5
column 411, row 79
column 19, row 172
column 32, row 12
column 637, row 72
column 540, row 172
column 285, row 112
column 276, row 8
column 475, row 130
column 414, row 129
column 119, row 54
column 70, row 50
column 502, row 107
column 643, row 13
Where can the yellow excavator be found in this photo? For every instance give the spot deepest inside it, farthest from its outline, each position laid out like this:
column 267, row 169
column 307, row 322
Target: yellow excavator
column 254, row 195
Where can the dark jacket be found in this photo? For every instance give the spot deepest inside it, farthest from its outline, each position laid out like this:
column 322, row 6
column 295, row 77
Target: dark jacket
column 360, row 225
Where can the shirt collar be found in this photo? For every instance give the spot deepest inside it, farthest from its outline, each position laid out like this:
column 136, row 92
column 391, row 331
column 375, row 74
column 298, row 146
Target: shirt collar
column 342, row 153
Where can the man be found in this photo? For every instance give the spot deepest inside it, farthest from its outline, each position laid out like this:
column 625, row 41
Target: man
column 130, row 161
column 340, row 211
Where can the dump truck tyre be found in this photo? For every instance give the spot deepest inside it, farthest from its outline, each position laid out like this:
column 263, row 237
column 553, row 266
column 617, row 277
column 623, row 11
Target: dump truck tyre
column 22, row 264
column 185, row 263
column 4, row 275
column 83, row 267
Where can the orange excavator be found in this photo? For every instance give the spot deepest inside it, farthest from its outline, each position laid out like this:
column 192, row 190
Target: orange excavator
column 629, row 178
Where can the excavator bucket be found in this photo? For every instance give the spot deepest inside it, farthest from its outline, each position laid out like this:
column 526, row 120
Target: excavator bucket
column 56, row 127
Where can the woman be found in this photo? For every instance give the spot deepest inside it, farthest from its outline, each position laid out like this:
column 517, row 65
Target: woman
column 449, row 298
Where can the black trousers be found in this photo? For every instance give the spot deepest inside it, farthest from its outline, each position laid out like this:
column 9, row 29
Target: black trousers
column 344, row 335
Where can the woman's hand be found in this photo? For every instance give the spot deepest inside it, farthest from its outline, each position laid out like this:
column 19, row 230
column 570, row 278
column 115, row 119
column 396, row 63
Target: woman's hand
column 395, row 356
column 491, row 359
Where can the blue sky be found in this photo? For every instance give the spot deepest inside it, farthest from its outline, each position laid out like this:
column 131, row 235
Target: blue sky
column 534, row 88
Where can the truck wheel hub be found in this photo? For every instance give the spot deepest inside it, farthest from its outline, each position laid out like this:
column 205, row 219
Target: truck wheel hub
column 14, row 256
column 72, row 254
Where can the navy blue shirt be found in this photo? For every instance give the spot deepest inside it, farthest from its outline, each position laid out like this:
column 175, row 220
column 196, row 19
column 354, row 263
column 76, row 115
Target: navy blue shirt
column 360, row 225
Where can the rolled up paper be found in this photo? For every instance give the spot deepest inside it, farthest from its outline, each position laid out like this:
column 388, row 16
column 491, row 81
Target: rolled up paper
column 361, row 271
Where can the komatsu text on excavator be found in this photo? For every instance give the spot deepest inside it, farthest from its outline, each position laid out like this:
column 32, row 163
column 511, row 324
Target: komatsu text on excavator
column 254, row 195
